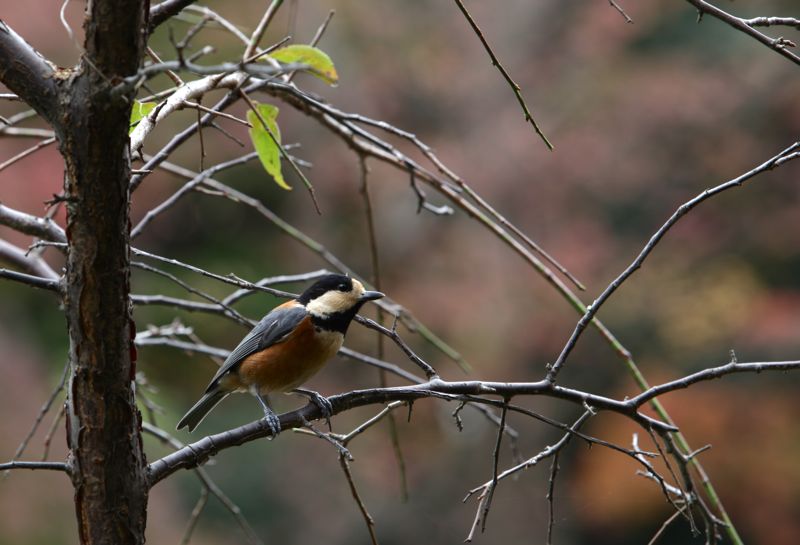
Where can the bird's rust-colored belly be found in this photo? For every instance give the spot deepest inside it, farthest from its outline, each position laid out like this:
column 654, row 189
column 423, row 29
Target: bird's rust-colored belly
column 279, row 369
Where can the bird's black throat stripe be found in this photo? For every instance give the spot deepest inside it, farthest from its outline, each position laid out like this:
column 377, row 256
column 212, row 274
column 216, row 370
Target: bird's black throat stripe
column 338, row 321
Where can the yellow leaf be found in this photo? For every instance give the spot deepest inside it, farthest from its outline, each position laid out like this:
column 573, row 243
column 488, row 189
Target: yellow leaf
column 266, row 145
column 319, row 63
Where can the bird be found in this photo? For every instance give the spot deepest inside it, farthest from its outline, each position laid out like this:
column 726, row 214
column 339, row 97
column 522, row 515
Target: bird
column 286, row 348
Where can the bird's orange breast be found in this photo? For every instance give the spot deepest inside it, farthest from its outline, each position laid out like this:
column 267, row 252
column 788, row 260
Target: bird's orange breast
column 288, row 364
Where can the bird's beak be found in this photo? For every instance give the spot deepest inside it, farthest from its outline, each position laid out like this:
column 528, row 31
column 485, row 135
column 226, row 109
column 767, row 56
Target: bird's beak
column 370, row 296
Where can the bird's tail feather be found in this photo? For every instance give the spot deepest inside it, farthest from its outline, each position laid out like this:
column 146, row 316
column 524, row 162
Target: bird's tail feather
column 198, row 412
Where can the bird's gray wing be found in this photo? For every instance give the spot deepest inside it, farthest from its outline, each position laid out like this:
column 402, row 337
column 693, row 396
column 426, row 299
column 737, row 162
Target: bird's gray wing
column 271, row 329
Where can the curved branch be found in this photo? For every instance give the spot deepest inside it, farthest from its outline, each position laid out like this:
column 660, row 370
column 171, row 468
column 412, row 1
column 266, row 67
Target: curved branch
column 27, row 73
column 32, row 264
column 198, row 452
column 713, row 373
column 33, row 281
column 44, row 228
column 781, row 158
column 779, row 45
column 164, row 10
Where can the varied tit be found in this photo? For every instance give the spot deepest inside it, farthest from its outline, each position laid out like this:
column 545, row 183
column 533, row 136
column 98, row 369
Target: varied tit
column 287, row 347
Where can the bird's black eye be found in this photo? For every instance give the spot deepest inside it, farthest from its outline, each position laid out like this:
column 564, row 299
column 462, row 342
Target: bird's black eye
column 344, row 286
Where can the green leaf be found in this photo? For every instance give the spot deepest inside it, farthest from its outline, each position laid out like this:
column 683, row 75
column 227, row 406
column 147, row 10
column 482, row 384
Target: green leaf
column 265, row 145
column 140, row 110
column 319, row 63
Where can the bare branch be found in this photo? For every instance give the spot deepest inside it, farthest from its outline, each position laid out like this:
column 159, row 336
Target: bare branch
column 31, row 150
column 621, row 11
column 23, row 464
column 261, row 28
column 239, row 197
column 195, row 516
column 665, row 525
column 34, row 265
column 774, row 21
column 28, row 74
column 43, row 228
column 212, row 15
column 165, row 10
column 230, row 279
column 364, row 143
column 713, row 373
column 198, row 452
column 781, row 158
column 45, row 408
column 208, row 484
column 181, row 137
column 33, row 281
column 194, row 182
column 429, row 371
column 228, row 310
column 191, row 90
column 368, row 520
column 780, row 45
column 183, row 345
column 487, row 504
column 496, row 63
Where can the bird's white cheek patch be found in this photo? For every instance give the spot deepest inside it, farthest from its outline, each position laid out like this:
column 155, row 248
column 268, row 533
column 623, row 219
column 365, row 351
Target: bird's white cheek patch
column 331, row 303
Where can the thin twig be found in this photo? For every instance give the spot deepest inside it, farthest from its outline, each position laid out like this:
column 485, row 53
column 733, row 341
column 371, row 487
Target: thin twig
column 170, row 74
column 211, row 111
column 202, row 500
column 372, row 236
column 232, row 312
column 496, row 63
column 282, row 151
column 551, row 489
column 621, row 11
column 48, row 438
column 495, row 466
column 779, row 45
column 45, row 408
column 665, row 525
column 194, row 182
column 315, row 40
column 230, row 279
column 781, row 158
column 429, row 371
column 21, row 155
column 208, row 484
column 368, row 520
column 261, row 28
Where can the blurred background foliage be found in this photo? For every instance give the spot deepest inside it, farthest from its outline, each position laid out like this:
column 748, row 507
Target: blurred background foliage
column 643, row 116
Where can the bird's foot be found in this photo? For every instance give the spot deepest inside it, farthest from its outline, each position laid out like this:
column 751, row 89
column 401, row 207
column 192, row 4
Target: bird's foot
column 321, row 402
column 271, row 420
column 273, row 423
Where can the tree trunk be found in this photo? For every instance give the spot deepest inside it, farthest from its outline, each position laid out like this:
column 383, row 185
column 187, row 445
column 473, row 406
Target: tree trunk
column 104, row 426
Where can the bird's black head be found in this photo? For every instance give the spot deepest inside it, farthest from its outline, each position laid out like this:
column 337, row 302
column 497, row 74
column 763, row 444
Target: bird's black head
column 334, row 300
column 329, row 282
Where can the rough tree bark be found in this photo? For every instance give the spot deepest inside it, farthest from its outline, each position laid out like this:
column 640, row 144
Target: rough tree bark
column 110, row 483
column 91, row 116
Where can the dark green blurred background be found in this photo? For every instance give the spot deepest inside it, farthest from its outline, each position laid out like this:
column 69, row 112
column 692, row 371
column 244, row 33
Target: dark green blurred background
column 643, row 116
